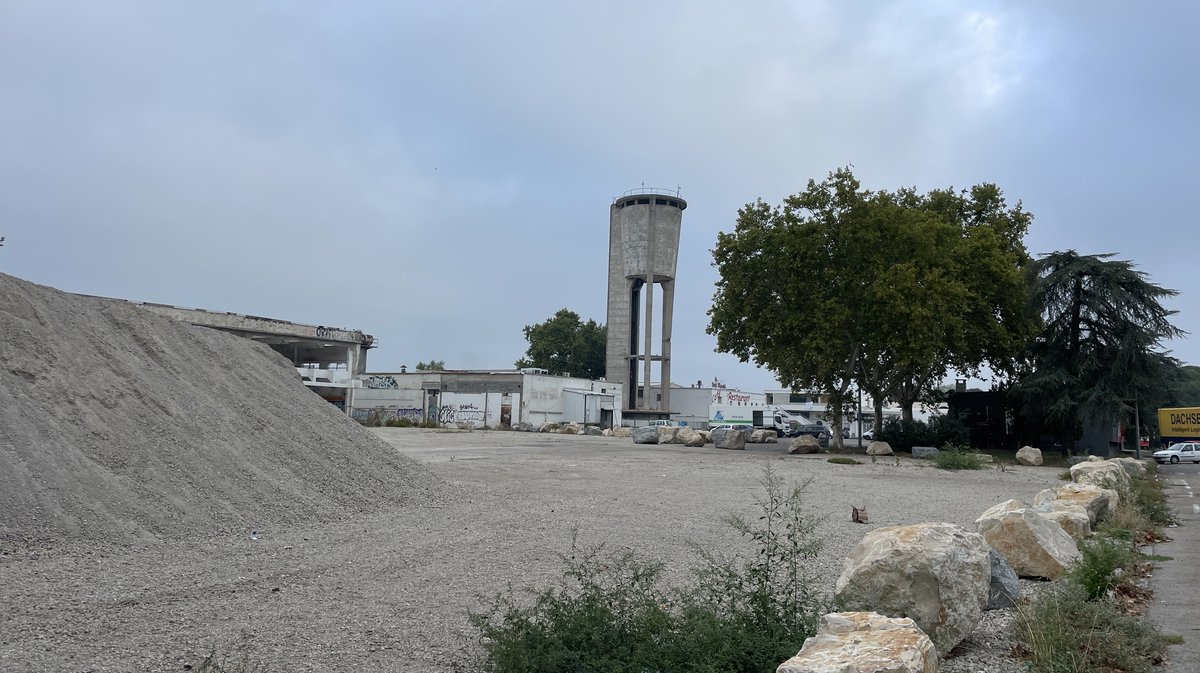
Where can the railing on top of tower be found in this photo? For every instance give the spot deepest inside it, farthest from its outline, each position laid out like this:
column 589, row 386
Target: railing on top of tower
column 650, row 190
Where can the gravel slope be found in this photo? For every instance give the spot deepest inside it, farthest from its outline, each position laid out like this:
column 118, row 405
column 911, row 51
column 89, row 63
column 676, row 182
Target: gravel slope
column 119, row 424
column 389, row 591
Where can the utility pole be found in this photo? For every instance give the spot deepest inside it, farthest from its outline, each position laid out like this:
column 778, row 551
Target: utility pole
column 1137, row 430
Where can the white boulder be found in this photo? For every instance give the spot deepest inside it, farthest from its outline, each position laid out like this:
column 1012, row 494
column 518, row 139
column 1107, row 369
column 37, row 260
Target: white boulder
column 804, row 444
column 878, row 448
column 1103, row 473
column 1032, row 544
column 937, row 574
column 1027, row 455
column 864, row 642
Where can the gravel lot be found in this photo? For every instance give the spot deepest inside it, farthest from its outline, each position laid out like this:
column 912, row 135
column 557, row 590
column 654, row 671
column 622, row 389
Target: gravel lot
column 389, row 592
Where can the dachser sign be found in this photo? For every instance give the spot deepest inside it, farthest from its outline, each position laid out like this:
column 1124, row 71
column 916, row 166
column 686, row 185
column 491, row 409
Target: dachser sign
column 1181, row 422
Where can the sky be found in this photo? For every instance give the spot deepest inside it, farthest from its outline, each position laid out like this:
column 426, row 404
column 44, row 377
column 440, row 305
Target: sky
column 439, row 174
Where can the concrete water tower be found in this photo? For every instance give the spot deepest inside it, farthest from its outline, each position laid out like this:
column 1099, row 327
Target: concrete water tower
column 643, row 249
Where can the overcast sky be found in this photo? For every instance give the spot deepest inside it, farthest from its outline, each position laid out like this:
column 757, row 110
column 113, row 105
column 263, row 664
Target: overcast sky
column 439, row 174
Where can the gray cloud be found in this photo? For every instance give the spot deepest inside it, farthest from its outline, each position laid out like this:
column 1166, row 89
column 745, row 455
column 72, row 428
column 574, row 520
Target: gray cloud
column 439, row 174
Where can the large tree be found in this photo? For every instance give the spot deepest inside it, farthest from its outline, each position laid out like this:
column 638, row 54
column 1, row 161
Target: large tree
column 564, row 344
column 840, row 284
column 1101, row 342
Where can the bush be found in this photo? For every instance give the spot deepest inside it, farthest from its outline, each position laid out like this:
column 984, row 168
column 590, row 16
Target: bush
column 903, row 435
column 953, row 457
column 1146, row 493
column 744, row 613
column 1103, row 562
column 1063, row 632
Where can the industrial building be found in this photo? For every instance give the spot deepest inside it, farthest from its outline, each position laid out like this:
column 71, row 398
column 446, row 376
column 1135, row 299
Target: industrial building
column 500, row 399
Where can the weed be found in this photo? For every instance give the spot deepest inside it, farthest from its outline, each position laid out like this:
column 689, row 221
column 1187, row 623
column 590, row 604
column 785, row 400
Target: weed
column 1102, row 563
column 1065, row 475
column 1173, row 639
column 843, row 460
column 1063, row 632
column 744, row 613
column 954, row 457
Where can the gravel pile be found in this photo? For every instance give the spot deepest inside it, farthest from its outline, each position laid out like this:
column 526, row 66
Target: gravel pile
column 120, row 425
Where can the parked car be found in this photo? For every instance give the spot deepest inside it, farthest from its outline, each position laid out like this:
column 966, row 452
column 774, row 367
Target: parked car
column 869, row 434
column 1177, row 452
column 662, row 422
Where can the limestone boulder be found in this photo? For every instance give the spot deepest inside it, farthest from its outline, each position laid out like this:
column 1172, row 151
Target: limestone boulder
column 646, row 434
column 1004, row 588
column 1032, row 544
column 1132, row 466
column 571, row 428
column 937, row 574
column 524, row 426
column 864, row 642
column 666, row 433
column 725, row 438
column 924, row 451
column 622, row 431
column 607, row 432
column 764, row 437
column 592, row 430
column 1072, row 518
column 804, row 444
column 1006, row 506
column 1027, row 455
column 707, row 435
column 689, row 437
column 1097, row 502
column 879, row 449
column 549, row 427
column 1103, row 473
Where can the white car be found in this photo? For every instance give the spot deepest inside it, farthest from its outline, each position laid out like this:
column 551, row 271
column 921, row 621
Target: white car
column 1177, row 452
column 662, row 423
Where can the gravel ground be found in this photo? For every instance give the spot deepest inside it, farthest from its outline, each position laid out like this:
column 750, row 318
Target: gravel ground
column 389, row 591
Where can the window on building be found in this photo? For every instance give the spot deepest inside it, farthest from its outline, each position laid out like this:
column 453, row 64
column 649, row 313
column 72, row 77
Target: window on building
column 797, row 398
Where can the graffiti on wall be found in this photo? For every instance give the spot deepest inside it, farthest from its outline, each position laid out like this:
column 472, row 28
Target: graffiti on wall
column 325, row 332
column 381, row 382
column 463, row 413
column 379, row 415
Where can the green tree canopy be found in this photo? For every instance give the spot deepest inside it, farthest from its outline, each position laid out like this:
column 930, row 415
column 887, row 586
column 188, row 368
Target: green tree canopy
column 1100, row 345
column 840, row 284
column 432, row 366
column 1185, row 389
column 565, row 344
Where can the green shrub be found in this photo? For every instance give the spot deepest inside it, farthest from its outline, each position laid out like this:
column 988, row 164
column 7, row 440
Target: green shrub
column 953, row 457
column 1146, row 492
column 903, row 435
column 843, row 460
column 1102, row 563
column 1063, row 632
column 742, row 613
